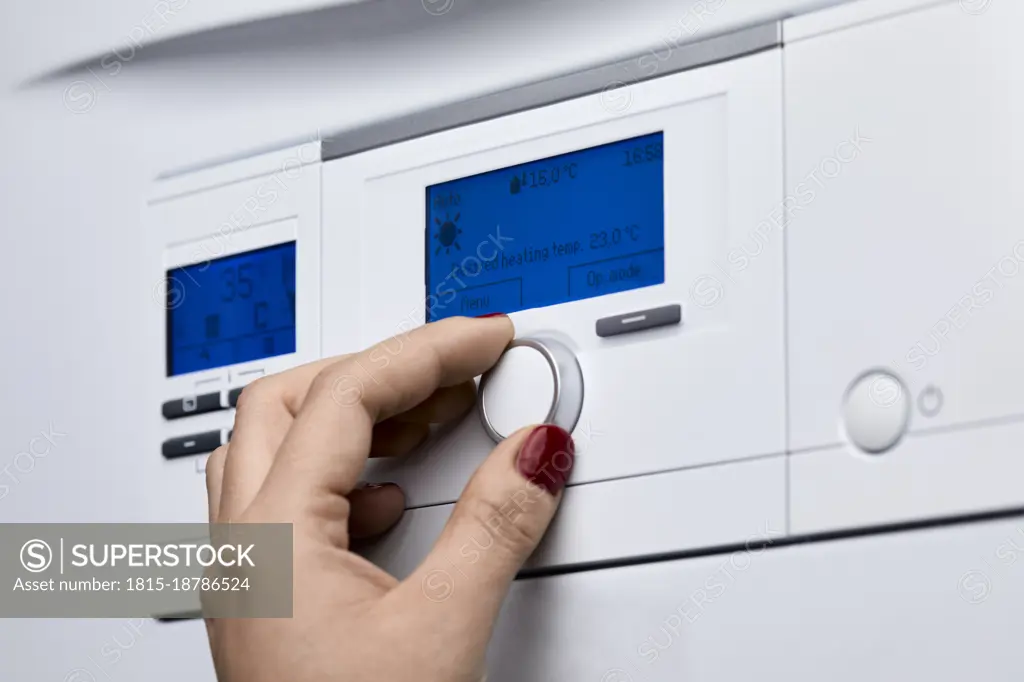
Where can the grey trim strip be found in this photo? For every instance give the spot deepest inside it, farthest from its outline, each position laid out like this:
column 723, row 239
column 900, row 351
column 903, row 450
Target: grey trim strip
column 551, row 91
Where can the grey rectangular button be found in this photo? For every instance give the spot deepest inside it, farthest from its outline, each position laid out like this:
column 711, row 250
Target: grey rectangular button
column 196, row 444
column 640, row 320
column 186, row 407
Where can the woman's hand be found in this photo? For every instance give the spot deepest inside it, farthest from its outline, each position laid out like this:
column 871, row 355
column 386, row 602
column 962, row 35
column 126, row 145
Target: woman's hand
column 300, row 442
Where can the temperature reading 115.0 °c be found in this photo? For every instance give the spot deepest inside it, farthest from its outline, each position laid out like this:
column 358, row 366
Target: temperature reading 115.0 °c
column 586, row 223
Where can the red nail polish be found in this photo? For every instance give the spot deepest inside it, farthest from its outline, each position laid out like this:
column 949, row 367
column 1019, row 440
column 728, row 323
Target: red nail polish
column 546, row 457
column 480, row 317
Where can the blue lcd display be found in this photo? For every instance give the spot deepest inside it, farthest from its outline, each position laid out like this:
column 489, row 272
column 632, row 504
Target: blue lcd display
column 229, row 310
column 564, row 228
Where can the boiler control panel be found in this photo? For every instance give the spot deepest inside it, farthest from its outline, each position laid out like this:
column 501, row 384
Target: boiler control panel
column 749, row 284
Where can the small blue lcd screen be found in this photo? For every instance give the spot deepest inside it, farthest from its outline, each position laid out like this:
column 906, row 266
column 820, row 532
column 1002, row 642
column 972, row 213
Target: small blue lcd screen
column 564, row 228
column 230, row 310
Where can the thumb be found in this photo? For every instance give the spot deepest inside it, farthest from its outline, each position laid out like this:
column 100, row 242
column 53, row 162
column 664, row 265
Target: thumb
column 497, row 523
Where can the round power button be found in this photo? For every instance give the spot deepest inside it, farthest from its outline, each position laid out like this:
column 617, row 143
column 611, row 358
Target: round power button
column 876, row 411
column 537, row 381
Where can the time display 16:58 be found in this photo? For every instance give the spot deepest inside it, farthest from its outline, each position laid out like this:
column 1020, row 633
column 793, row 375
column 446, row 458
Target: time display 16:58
column 642, row 153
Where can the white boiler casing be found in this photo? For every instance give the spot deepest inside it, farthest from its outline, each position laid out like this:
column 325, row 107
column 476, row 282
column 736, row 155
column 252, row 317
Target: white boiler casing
column 811, row 333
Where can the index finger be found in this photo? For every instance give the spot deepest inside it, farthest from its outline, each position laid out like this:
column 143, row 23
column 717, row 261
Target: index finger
column 265, row 412
column 325, row 449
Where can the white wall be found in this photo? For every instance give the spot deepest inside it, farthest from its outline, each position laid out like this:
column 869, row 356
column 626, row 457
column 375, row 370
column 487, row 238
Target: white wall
column 58, row 32
column 79, row 150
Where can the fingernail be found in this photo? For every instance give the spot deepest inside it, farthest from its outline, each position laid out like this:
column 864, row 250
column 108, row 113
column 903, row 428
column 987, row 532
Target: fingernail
column 480, row 317
column 546, row 457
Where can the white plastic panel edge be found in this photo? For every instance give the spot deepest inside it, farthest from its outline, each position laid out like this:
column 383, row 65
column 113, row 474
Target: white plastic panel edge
column 733, row 503
column 927, row 476
column 216, row 174
column 941, row 605
column 848, row 15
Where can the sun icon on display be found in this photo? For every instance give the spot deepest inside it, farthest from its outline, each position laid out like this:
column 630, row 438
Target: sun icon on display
column 447, row 234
